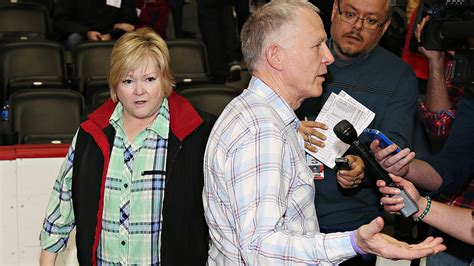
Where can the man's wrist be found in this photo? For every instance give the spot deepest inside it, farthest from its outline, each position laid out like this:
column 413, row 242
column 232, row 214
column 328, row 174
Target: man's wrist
column 356, row 247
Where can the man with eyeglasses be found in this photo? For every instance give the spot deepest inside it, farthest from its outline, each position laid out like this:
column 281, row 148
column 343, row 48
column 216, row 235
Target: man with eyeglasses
column 379, row 80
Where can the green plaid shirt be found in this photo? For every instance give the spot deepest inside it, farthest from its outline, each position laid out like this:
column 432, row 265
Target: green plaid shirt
column 133, row 198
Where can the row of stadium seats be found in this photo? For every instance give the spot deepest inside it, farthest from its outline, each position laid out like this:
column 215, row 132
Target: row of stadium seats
column 39, row 64
column 25, row 20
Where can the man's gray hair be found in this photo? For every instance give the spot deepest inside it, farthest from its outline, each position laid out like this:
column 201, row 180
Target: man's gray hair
column 266, row 21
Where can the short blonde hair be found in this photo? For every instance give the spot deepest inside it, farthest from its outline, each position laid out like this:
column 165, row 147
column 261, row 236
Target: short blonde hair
column 131, row 50
column 264, row 22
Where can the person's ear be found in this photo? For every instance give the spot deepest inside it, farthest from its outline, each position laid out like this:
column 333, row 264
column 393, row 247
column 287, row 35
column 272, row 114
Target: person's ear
column 334, row 10
column 385, row 25
column 274, row 56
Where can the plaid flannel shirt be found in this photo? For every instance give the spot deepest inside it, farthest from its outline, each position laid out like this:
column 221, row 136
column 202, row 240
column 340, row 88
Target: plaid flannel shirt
column 133, row 197
column 258, row 191
column 439, row 123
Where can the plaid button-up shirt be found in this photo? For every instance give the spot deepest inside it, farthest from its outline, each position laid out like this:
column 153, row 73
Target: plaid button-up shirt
column 133, row 197
column 258, row 191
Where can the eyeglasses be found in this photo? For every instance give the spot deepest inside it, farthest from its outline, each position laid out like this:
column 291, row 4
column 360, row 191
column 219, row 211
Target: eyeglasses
column 369, row 23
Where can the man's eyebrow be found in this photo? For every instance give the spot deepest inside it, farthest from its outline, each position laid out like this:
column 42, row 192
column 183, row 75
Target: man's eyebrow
column 358, row 11
column 320, row 40
column 352, row 7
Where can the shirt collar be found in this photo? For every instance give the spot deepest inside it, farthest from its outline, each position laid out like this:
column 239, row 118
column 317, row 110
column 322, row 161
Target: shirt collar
column 285, row 112
column 160, row 125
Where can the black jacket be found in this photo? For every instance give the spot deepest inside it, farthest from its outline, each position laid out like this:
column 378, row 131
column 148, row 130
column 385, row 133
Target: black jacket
column 184, row 239
column 81, row 16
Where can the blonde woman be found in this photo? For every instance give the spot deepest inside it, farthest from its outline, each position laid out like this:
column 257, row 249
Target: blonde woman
column 131, row 182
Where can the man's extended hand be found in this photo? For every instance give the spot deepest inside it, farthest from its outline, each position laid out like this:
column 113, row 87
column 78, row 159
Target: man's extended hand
column 370, row 239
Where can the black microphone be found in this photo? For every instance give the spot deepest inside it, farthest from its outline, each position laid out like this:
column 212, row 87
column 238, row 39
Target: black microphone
column 346, row 132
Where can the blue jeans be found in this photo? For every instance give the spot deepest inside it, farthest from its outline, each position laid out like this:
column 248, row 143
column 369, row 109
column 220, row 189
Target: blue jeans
column 446, row 259
column 73, row 40
column 457, row 253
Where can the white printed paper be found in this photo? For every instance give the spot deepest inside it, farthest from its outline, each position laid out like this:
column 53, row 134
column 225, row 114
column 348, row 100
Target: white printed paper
column 114, row 3
column 338, row 107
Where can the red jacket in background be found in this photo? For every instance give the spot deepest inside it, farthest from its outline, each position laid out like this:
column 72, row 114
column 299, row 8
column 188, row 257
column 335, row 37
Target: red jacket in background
column 154, row 14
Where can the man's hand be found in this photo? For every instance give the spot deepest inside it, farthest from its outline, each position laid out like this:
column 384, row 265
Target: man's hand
column 312, row 137
column 353, row 177
column 93, row 36
column 397, row 164
column 370, row 239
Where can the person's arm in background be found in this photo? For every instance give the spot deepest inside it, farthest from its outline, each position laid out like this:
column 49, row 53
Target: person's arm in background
column 454, row 221
column 59, row 219
column 447, row 171
column 404, row 164
column 128, row 18
column 438, row 108
column 437, row 98
column 126, row 21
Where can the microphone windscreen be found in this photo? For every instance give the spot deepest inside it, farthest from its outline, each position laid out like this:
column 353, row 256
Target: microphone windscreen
column 345, row 131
